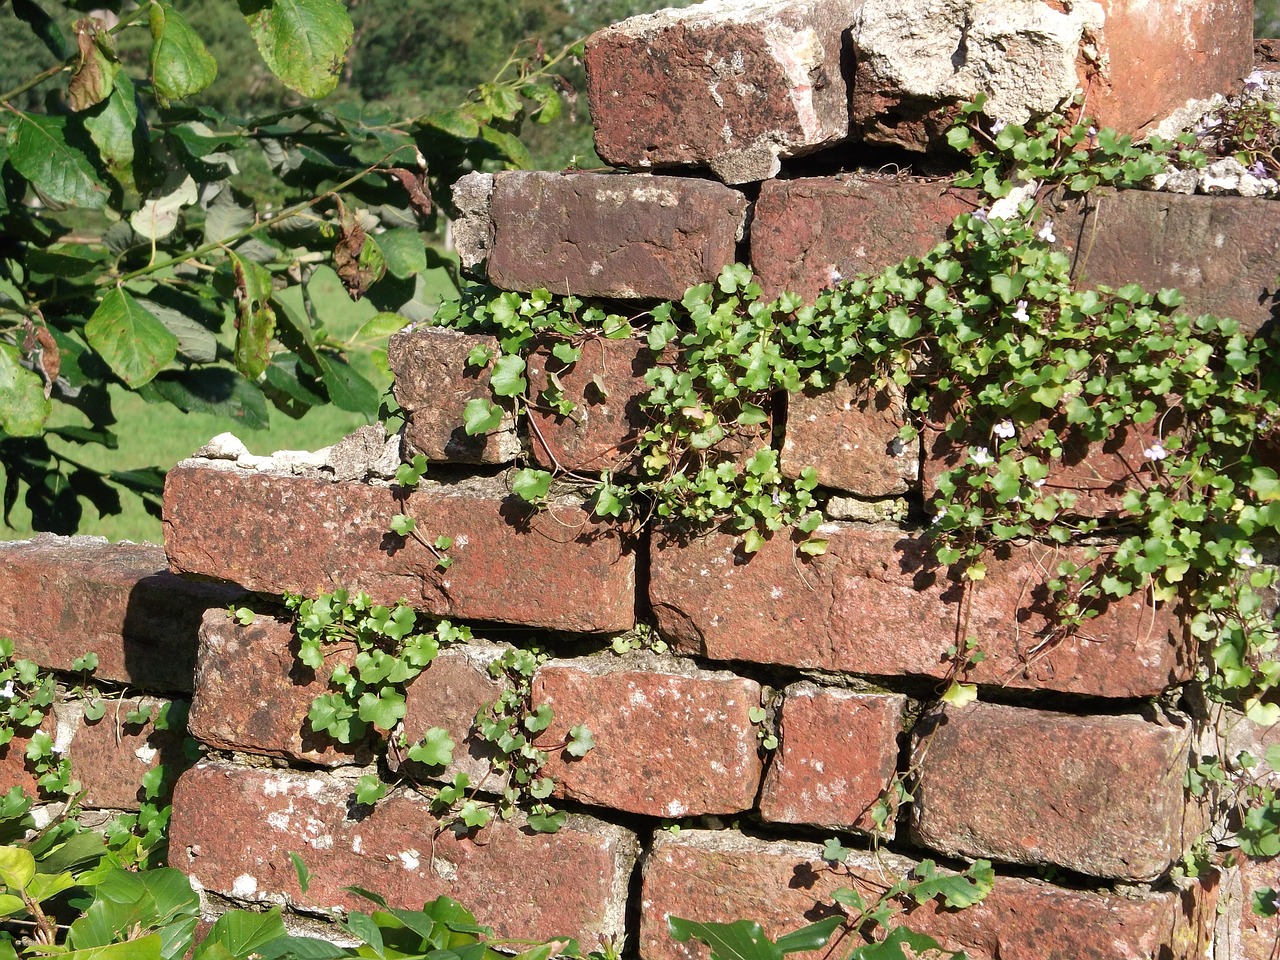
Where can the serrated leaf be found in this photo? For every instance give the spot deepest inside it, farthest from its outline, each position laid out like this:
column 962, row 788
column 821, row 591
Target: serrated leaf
column 132, row 341
column 215, row 390
column 348, row 389
column 196, row 342
column 180, row 64
column 404, row 251
column 39, row 150
column 255, row 318
column 115, row 131
column 226, row 217
column 23, row 406
column 304, row 42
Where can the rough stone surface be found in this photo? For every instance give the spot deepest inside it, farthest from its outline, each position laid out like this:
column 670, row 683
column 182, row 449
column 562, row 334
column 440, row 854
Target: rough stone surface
column 849, row 435
column 602, row 432
column 253, row 695
column 473, row 230
column 556, row 568
column 110, row 756
column 1102, row 795
column 732, row 86
column 1136, row 61
column 721, row 876
column 610, row 235
column 433, row 383
column 837, row 752
column 683, row 736
column 63, row 597
column 448, row 694
column 234, row 827
column 13, row 759
column 365, row 452
column 1257, row 936
column 807, row 233
column 874, row 605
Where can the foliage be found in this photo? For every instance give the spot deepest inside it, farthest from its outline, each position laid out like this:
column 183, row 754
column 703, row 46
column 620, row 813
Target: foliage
column 132, row 257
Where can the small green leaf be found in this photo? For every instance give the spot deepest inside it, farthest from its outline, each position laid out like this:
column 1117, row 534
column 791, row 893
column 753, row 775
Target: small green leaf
column 23, row 406
column 581, row 742
column 481, row 416
column 507, row 378
column 435, row 749
column 402, row 524
column 369, row 790
column 960, row 694
column 531, row 485
column 133, row 342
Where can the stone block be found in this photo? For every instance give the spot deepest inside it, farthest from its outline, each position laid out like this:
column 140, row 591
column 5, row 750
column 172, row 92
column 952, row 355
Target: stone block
column 876, row 604
column 837, row 753
column 110, row 756
column 604, row 235
column 721, row 876
column 671, row 740
column 606, row 386
column 557, row 568
column 433, row 383
column 234, row 827
column 728, row 85
column 849, row 435
column 1101, row 795
column 253, row 695
column 1135, row 61
column 63, row 597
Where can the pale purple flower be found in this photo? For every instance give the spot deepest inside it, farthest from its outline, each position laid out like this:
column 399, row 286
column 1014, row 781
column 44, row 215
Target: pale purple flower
column 980, row 214
column 1021, row 314
column 1004, row 430
column 1046, row 233
column 997, row 126
column 981, row 457
column 1156, row 451
column 1258, row 169
column 834, row 276
column 1246, row 557
column 1255, row 82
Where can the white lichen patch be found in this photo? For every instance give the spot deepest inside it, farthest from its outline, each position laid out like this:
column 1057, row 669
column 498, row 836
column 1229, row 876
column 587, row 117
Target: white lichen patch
column 244, row 887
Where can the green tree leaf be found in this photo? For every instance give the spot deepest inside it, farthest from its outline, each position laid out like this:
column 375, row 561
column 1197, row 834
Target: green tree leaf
column 39, row 150
column 113, row 128
column 740, row 940
column 23, row 405
column 180, row 64
column 132, row 341
column 304, row 42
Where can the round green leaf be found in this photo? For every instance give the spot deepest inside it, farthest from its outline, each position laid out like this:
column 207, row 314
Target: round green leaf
column 180, row 64
column 304, row 42
column 17, row 867
column 23, row 405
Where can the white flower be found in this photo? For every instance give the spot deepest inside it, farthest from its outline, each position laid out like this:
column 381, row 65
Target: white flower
column 834, row 276
column 997, row 126
column 1246, row 557
column 1046, row 233
column 1156, row 451
column 1038, row 483
column 937, row 517
column 1021, row 314
column 6, row 692
column 981, row 457
column 1004, row 429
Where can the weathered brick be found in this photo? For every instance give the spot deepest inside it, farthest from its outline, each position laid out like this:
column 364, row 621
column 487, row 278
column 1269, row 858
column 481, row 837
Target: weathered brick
column 671, row 740
column 601, row 235
column 110, row 756
column 234, row 827
column 63, row 597
column 448, row 694
column 1136, row 62
column 807, row 233
column 1256, row 936
column 605, row 426
column 1102, row 795
column 849, row 435
column 728, row 85
column 433, row 383
column 876, row 605
column 720, row 876
column 803, row 230
column 838, row 751
column 253, row 695
column 14, row 770
column 273, row 533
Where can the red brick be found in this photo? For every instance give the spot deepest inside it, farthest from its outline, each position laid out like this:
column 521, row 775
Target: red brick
column 63, row 597
column 849, row 435
column 876, row 605
column 1257, row 936
column 806, row 232
column 671, row 740
column 433, row 384
column 1102, row 795
column 449, row 694
column 234, row 827
column 604, row 428
column 724, row 876
column 837, row 753
column 1136, row 62
column 1266, row 53
column 273, row 533
column 730, row 86
column 110, row 756
column 253, row 695
column 14, row 771
column 603, row 235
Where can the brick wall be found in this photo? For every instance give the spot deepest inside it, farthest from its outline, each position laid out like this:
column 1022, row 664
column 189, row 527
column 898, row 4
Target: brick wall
column 1068, row 773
